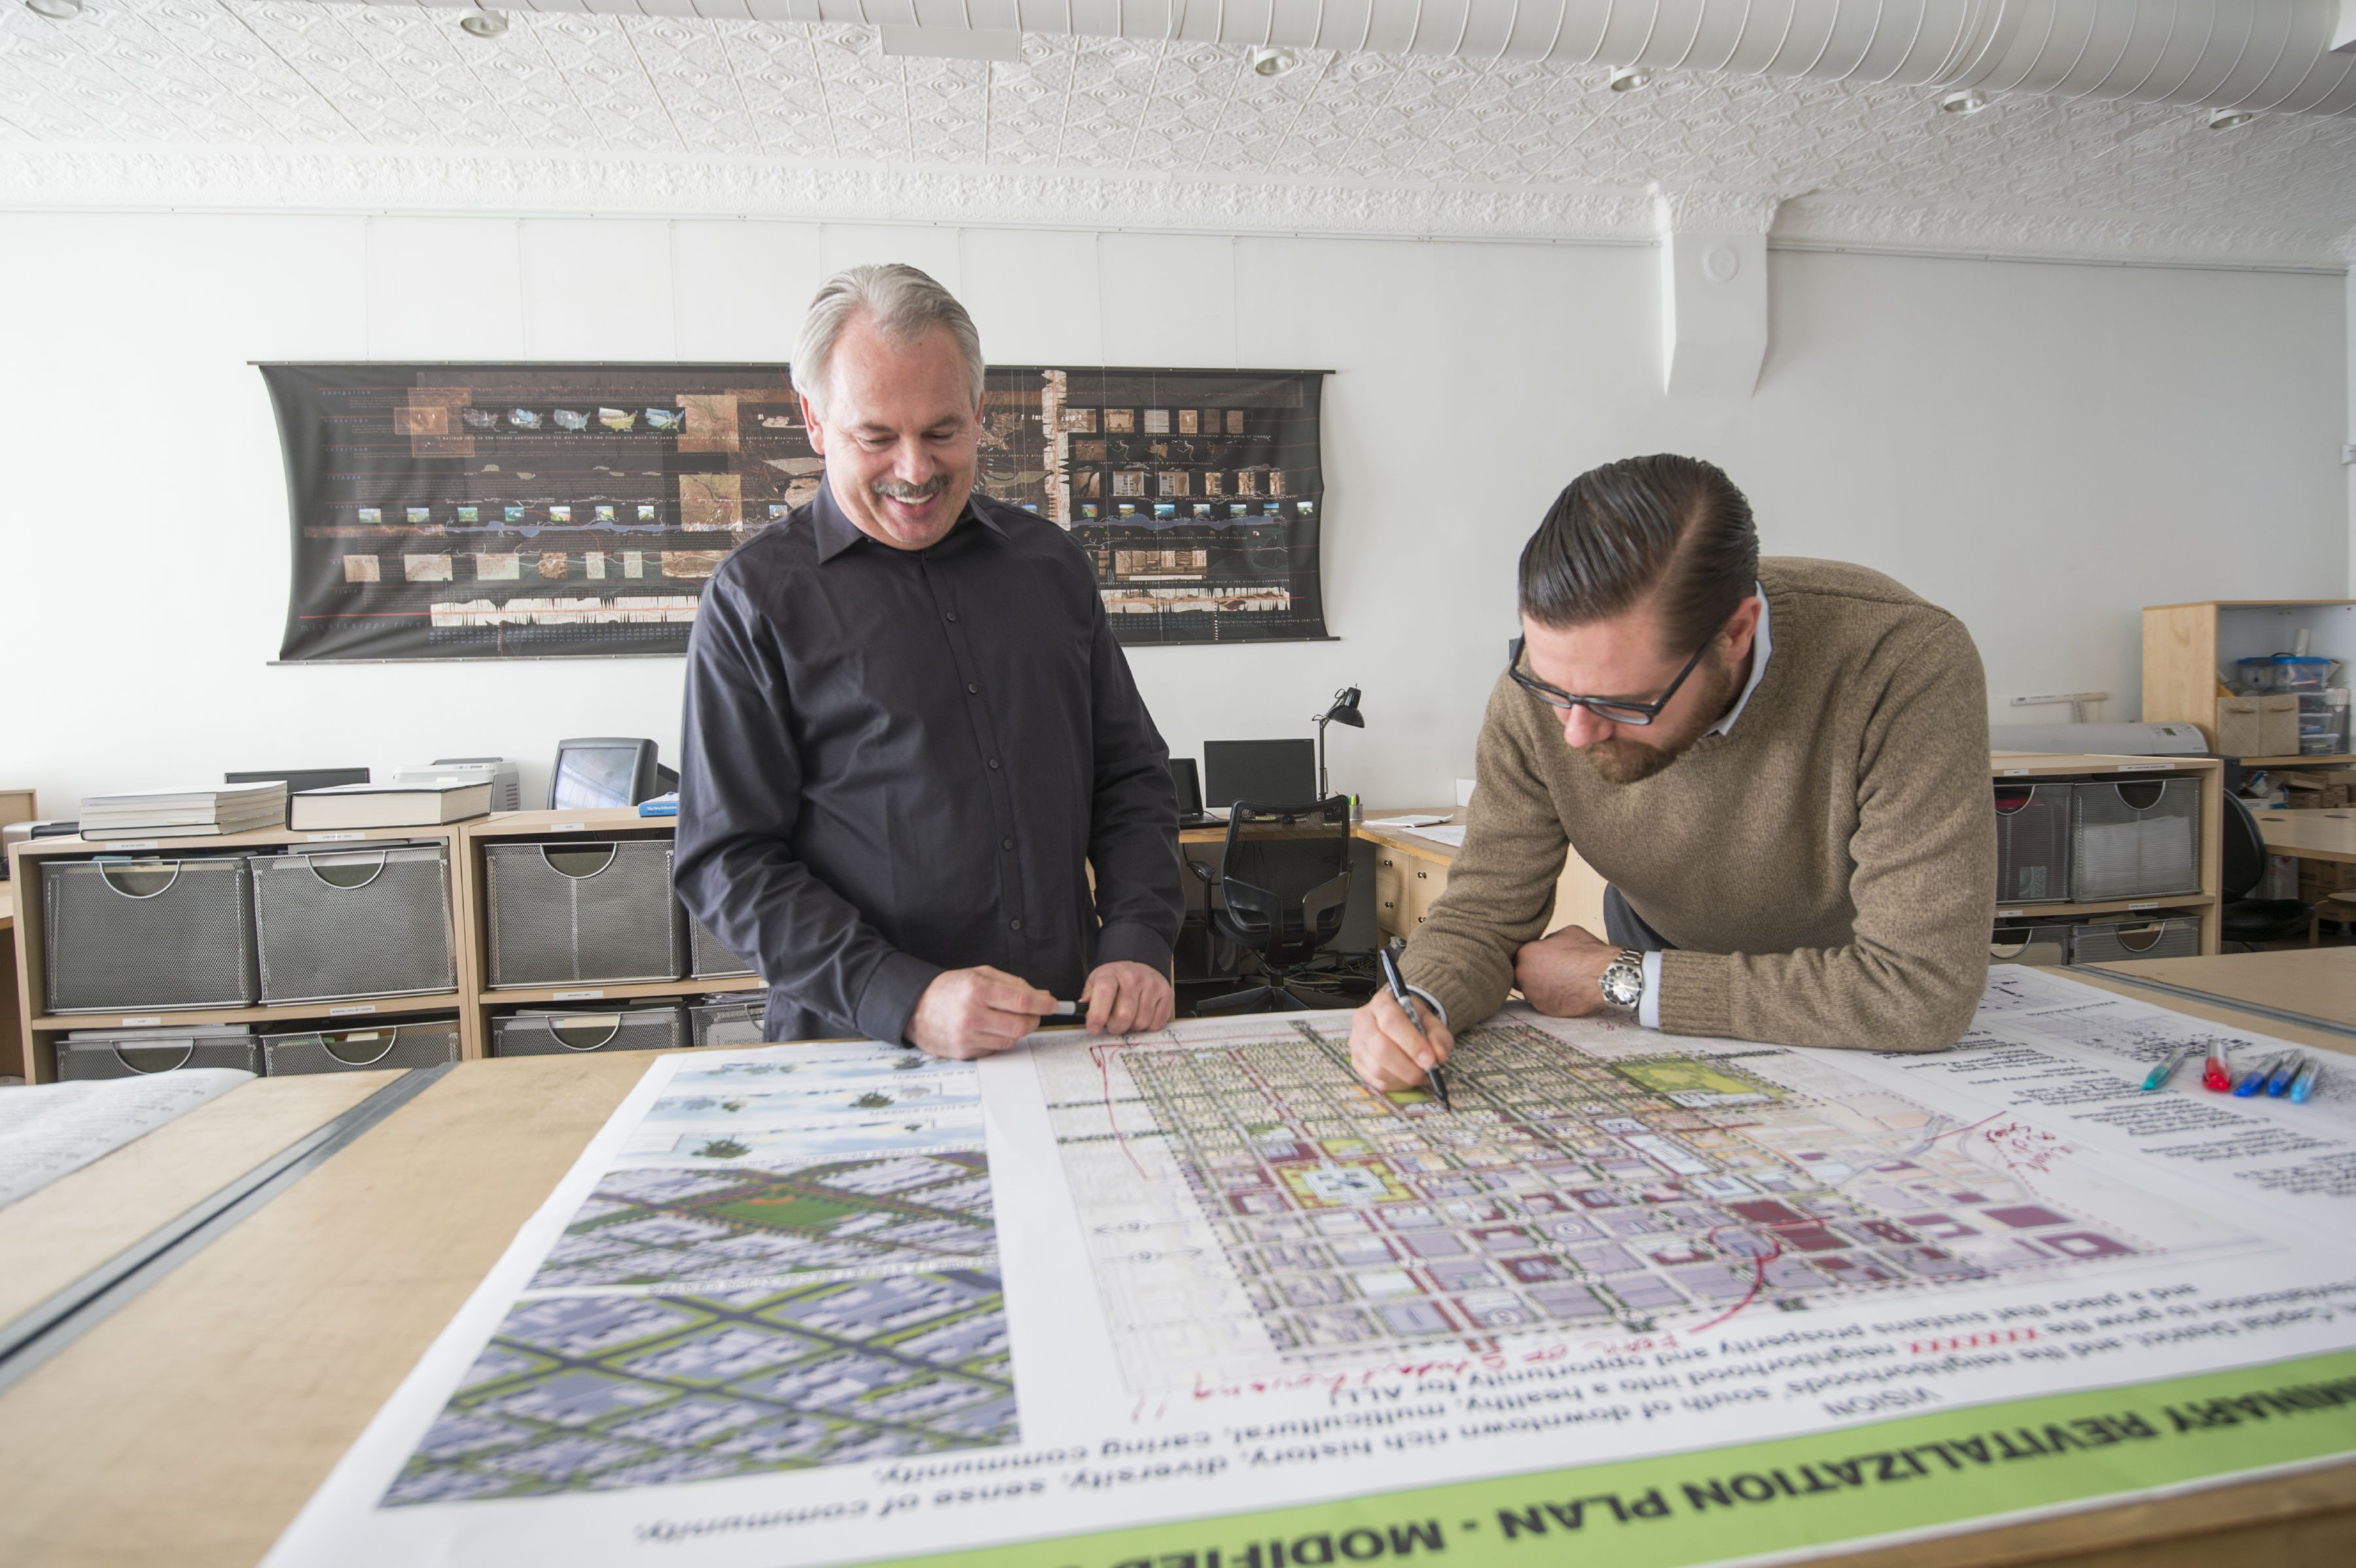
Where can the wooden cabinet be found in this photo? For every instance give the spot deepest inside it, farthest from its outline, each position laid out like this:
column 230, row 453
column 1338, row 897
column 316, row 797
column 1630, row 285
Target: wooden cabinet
column 2189, row 649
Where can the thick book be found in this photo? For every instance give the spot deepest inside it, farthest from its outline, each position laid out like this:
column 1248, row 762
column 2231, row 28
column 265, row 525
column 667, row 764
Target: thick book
column 195, row 808
column 386, row 806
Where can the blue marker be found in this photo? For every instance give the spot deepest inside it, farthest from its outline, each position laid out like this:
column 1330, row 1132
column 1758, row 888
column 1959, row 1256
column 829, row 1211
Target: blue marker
column 2255, row 1080
column 2162, row 1071
column 2285, row 1072
column 2304, row 1084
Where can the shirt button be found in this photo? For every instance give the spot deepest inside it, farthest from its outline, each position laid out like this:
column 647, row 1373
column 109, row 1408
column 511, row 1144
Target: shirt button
column 971, row 689
column 951, row 616
column 993, row 762
column 1014, row 925
column 1006, row 843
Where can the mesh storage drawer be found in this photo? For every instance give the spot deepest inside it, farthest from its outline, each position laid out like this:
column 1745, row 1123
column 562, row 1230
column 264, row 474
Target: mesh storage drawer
column 730, row 1022
column 2133, row 838
column 418, row 1042
column 2176, row 938
column 2033, row 843
column 710, row 961
column 354, row 923
column 560, row 913
column 134, row 1053
column 550, row 1032
column 123, row 935
column 2034, row 942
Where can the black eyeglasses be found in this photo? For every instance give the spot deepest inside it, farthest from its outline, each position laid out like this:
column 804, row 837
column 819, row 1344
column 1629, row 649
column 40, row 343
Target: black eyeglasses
column 1618, row 713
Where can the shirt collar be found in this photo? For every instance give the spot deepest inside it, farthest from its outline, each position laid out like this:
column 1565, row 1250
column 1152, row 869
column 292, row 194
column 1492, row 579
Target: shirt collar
column 1761, row 645
column 835, row 533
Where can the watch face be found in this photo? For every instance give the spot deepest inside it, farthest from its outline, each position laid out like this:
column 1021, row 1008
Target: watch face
column 1624, row 982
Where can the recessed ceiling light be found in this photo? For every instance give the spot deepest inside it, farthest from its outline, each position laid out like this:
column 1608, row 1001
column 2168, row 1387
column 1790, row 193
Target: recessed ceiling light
column 54, row 10
column 483, row 24
column 1274, row 62
column 2226, row 119
column 1970, row 101
column 1631, row 78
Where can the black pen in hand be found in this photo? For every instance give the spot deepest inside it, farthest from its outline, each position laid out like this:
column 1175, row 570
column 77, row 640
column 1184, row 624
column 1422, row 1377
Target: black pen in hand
column 1431, row 1077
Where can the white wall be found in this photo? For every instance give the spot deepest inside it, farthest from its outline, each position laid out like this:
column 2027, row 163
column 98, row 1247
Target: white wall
column 2044, row 449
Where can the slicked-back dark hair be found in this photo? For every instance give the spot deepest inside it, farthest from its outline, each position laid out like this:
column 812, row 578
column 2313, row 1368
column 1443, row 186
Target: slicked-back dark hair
column 1618, row 532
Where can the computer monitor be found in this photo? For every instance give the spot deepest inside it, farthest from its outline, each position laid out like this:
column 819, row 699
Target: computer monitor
column 1267, row 772
column 605, row 772
column 1188, row 785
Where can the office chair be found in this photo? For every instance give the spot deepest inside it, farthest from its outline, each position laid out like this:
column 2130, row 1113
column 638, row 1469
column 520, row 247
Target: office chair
column 2252, row 920
column 1285, row 876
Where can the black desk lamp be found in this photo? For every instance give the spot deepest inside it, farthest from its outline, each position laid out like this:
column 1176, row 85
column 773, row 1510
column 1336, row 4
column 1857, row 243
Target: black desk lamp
column 1345, row 710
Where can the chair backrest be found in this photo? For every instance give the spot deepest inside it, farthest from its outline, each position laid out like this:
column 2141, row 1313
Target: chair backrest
column 2245, row 858
column 1285, row 873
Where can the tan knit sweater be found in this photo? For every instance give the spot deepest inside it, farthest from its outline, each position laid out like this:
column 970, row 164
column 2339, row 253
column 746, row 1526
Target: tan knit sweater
column 1826, row 871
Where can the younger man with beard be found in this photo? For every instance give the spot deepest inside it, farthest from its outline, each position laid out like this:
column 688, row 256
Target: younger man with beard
column 1779, row 765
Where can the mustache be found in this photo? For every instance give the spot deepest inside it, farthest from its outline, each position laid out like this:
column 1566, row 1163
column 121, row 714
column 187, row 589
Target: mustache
column 899, row 491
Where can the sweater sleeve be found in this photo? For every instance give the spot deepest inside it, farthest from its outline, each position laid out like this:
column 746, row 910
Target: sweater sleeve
column 1923, row 885
column 1501, row 886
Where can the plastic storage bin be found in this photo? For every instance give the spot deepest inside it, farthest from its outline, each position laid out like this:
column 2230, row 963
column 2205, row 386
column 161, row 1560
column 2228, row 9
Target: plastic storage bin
column 123, row 935
column 2294, row 673
column 558, row 1031
column 413, row 1042
column 135, row 1053
column 372, row 922
column 2031, row 941
column 567, row 912
column 729, row 1021
column 2133, row 838
column 2179, row 937
column 2033, row 843
column 709, row 960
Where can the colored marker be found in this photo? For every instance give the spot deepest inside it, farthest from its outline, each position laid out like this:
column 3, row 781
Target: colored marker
column 2255, row 1080
column 2286, row 1072
column 2160, row 1073
column 2217, row 1072
column 2304, row 1084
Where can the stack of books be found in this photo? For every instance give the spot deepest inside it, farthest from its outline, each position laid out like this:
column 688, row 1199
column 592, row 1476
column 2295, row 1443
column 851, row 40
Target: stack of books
column 187, row 812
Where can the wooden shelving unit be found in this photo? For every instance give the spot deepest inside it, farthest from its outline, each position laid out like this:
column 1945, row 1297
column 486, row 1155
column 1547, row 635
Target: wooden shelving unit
column 2188, row 649
column 474, row 926
column 2018, row 767
column 41, row 1028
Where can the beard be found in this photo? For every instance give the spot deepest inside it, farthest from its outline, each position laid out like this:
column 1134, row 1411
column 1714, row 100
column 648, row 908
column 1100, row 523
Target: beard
column 1624, row 761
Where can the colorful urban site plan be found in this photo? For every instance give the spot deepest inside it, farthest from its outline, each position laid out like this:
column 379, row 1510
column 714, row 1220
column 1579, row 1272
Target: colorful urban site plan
column 789, row 1262
column 1566, row 1191
column 592, row 1392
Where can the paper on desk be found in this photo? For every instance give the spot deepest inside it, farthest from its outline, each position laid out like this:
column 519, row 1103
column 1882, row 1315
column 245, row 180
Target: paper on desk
column 1629, row 1281
column 55, row 1128
column 1453, row 833
column 1409, row 821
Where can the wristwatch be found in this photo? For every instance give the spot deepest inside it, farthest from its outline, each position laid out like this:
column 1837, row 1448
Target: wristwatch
column 1623, row 979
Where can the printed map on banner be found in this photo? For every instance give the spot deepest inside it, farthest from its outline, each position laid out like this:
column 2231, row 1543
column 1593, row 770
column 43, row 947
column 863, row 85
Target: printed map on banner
column 1199, row 1291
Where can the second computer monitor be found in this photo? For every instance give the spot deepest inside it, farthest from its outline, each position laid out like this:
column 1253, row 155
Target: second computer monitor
column 1266, row 772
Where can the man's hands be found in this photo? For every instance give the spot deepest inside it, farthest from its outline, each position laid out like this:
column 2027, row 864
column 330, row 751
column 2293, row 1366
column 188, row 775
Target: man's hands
column 969, row 1013
column 1124, row 996
column 1562, row 975
column 1385, row 1049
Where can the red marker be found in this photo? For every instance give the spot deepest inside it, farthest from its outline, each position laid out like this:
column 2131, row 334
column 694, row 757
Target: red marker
column 2217, row 1073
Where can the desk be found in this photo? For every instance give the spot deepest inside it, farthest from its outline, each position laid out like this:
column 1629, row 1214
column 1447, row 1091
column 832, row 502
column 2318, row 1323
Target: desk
column 2310, row 835
column 191, row 1425
column 2314, row 983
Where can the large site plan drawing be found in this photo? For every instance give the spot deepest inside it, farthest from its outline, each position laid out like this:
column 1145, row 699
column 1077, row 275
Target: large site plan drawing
column 1587, row 1180
column 791, row 1264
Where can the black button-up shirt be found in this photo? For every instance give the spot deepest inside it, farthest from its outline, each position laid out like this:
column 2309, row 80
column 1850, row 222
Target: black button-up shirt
column 898, row 762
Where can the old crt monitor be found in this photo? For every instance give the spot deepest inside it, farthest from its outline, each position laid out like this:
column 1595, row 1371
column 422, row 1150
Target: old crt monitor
column 605, row 772
column 1266, row 772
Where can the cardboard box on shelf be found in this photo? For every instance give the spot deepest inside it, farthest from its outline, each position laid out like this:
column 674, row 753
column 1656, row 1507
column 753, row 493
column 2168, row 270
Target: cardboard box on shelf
column 2262, row 724
column 2319, row 788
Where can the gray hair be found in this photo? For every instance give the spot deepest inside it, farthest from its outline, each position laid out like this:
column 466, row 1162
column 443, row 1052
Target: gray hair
column 904, row 303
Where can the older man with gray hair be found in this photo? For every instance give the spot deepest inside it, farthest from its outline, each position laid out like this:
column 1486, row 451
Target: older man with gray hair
column 910, row 733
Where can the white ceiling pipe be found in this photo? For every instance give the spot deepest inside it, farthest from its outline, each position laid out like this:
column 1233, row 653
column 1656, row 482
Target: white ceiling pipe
column 2270, row 55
